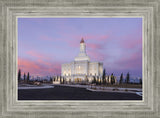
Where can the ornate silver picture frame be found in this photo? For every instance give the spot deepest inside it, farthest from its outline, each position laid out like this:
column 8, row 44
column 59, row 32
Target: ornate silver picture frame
column 12, row 9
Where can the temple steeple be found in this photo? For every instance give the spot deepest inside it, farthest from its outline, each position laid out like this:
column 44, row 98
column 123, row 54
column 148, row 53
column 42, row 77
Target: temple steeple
column 82, row 54
column 82, row 40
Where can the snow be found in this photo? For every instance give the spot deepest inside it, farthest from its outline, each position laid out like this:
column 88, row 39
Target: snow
column 36, row 87
column 137, row 91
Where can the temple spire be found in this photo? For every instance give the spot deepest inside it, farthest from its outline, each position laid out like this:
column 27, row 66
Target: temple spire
column 82, row 56
column 82, row 40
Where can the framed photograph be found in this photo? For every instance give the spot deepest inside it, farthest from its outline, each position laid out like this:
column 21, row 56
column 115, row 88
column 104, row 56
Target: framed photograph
column 80, row 59
column 107, row 62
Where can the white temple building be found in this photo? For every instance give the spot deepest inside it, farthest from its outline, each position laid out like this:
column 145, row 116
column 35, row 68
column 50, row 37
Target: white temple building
column 81, row 69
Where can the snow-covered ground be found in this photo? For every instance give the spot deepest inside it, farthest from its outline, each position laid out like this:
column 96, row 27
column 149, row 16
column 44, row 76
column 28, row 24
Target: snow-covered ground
column 99, row 87
column 44, row 86
column 137, row 91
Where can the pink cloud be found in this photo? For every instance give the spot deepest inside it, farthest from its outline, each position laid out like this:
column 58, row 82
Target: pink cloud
column 132, row 40
column 130, row 61
column 96, row 56
column 39, row 67
column 75, row 42
column 94, row 46
column 133, row 43
column 93, row 49
column 38, row 55
column 34, row 54
column 127, row 63
column 91, row 37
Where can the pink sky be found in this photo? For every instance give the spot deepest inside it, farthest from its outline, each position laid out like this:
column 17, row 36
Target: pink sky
column 45, row 43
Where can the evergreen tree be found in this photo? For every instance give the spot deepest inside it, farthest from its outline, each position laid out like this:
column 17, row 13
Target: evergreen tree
column 50, row 79
column 57, row 78
column 104, row 77
column 140, row 81
column 19, row 75
column 97, row 81
column 24, row 77
column 112, row 79
column 86, row 78
column 125, row 81
column 127, row 78
column 100, row 82
column 28, row 77
column 94, row 80
column 108, row 79
column 63, row 80
column 121, row 79
column 60, row 80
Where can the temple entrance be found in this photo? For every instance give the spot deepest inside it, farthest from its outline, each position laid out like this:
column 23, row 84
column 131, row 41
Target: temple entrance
column 78, row 80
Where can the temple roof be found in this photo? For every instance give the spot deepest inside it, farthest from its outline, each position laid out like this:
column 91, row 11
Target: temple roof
column 82, row 40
